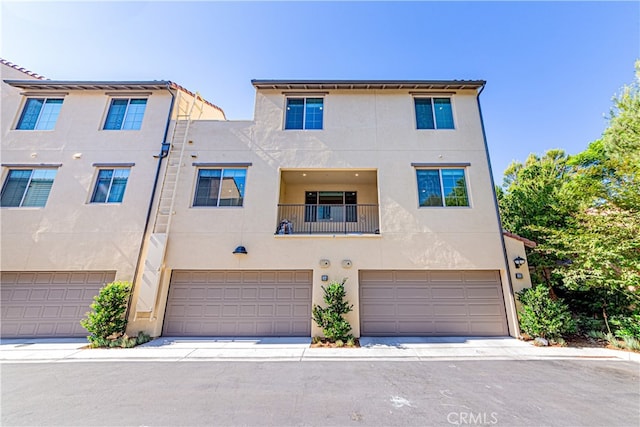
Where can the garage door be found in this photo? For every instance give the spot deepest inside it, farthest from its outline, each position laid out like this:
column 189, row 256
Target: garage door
column 48, row 304
column 432, row 303
column 239, row 303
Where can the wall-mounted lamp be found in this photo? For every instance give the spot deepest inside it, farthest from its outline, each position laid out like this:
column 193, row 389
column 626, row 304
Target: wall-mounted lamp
column 240, row 250
column 519, row 261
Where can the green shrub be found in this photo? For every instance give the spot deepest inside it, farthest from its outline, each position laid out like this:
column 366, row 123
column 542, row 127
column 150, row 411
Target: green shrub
column 331, row 318
column 106, row 324
column 626, row 326
column 542, row 316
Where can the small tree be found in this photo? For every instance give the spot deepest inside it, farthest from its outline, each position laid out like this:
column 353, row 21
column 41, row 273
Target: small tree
column 107, row 321
column 331, row 318
column 542, row 316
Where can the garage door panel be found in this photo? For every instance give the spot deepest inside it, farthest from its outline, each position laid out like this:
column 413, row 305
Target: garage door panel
column 481, row 276
column 488, row 309
column 443, row 303
column 249, row 293
column 440, row 292
column 264, row 303
column 483, row 292
column 414, row 310
column 413, row 292
column 377, row 292
column 248, row 310
column 450, row 310
column 445, row 276
column 415, row 327
column 48, row 304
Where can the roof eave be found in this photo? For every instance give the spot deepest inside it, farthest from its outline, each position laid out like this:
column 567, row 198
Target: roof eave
column 88, row 85
column 368, row 84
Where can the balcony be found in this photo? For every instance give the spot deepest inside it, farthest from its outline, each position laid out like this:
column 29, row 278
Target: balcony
column 328, row 201
column 328, row 219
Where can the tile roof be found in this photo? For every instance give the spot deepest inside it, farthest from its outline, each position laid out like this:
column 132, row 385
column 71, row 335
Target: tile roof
column 21, row 69
column 44, row 83
column 528, row 243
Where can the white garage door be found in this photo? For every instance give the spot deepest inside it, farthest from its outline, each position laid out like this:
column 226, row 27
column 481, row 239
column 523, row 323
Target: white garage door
column 239, row 303
column 431, row 303
column 48, row 304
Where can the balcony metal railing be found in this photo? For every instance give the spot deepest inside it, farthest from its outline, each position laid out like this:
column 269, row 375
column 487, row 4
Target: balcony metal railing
column 328, row 219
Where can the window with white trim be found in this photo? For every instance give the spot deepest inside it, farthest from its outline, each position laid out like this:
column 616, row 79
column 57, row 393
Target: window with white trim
column 110, row 185
column 442, row 187
column 125, row 114
column 39, row 114
column 27, row 187
column 220, row 187
column 433, row 113
column 304, row 113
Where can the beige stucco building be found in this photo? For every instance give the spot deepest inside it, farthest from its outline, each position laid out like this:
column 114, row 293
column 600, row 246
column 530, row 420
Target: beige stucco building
column 386, row 184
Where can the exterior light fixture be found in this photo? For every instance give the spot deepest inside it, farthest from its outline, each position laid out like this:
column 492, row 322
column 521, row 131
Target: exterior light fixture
column 240, row 250
column 519, row 261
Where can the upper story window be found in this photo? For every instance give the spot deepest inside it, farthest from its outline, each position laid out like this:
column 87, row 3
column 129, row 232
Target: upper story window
column 40, row 114
column 27, row 187
column 110, row 186
column 125, row 114
column 304, row 113
column 442, row 187
column 220, row 187
column 434, row 113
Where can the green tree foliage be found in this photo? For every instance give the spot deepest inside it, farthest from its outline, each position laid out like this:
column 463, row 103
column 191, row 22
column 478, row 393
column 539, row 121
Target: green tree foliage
column 331, row 318
column 584, row 211
column 543, row 316
column 108, row 316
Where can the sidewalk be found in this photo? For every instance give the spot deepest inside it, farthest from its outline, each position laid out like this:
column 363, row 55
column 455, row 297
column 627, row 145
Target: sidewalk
column 297, row 349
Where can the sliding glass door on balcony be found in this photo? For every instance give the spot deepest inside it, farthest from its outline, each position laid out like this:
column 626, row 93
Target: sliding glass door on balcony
column 335, row 206
column 328, row 212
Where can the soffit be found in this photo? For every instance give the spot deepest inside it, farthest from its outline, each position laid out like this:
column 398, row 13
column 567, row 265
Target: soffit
column 368, row 84
column 329, row 177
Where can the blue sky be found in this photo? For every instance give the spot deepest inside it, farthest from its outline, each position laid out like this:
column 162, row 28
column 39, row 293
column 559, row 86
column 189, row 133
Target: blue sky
column 551, row 67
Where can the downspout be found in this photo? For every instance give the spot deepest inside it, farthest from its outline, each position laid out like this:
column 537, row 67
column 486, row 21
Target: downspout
column 495, row 202
column 164, row 152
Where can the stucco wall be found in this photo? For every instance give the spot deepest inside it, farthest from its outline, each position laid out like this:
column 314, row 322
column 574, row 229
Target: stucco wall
column 71, row 233
column 368, row 130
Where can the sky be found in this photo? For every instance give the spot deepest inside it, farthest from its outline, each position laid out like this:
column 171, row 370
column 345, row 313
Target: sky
column 551, row 68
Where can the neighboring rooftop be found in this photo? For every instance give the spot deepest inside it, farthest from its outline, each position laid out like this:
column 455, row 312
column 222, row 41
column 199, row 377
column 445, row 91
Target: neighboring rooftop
column 102, row 85
column 21, row 69
column 368, row 84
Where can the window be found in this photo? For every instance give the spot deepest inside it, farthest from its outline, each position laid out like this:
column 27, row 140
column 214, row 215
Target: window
column 125, row 114
column 110, row 186
column 331, row 206
column 442, row 187
column 434, row 113
column 27, row 187
column 220, row 187
column 39, row 114
column 304, row 113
